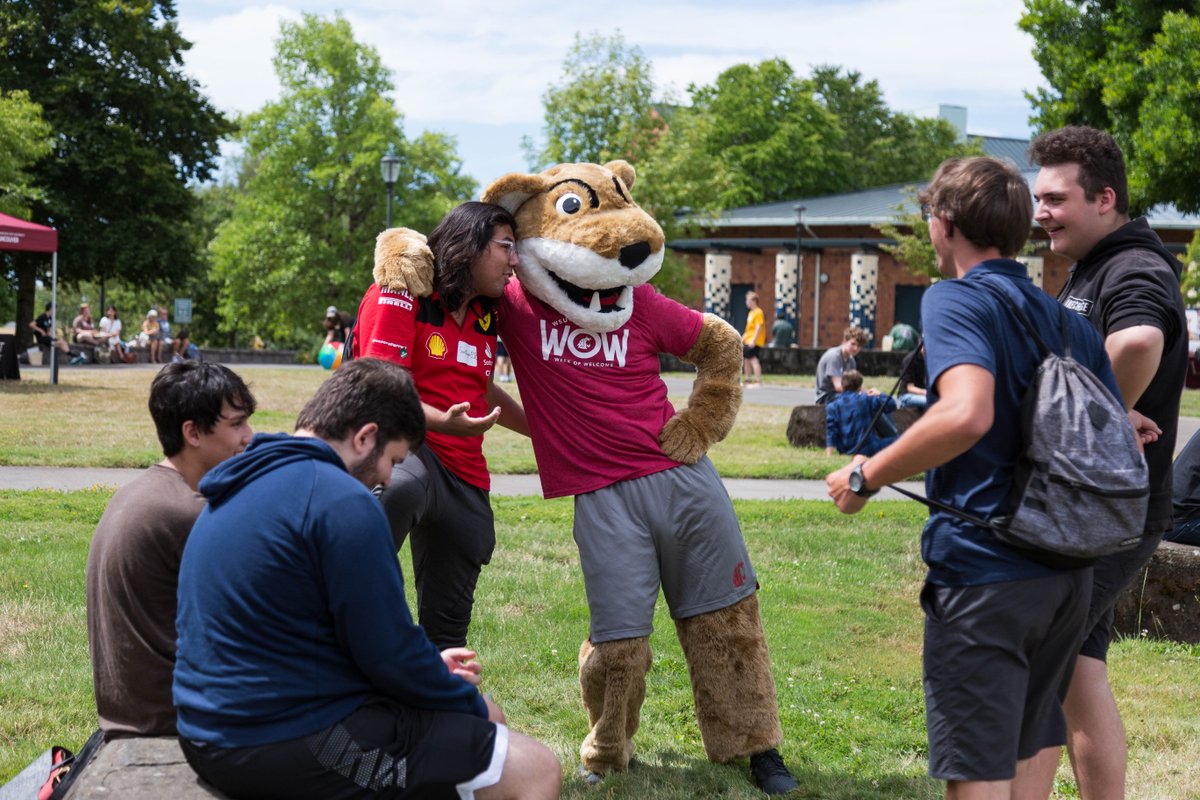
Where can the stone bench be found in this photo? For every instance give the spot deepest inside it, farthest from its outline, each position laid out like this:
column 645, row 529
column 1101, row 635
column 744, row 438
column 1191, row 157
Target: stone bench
column 140, row 769
column 1164, row 600
column 806, row 426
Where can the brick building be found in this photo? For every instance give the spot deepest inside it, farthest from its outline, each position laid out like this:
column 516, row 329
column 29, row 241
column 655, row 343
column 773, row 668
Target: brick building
column 844, row 275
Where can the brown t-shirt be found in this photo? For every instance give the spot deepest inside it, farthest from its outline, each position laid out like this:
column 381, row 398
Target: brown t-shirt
column 132, row 576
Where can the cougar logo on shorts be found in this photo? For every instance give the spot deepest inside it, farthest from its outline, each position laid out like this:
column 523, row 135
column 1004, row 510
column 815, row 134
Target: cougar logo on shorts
column 436, row 346
column 739, row 574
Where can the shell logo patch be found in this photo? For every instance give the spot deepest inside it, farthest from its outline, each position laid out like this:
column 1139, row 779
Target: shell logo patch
column 436, row 346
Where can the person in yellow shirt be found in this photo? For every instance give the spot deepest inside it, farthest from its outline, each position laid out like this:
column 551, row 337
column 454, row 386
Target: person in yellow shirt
column 752, row 341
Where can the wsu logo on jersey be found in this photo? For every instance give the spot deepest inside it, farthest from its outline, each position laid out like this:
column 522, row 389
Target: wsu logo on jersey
column 436, row 346
column 562, row 342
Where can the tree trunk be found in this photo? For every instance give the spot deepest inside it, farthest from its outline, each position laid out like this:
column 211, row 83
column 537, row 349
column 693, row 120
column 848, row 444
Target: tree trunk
column 26, row 264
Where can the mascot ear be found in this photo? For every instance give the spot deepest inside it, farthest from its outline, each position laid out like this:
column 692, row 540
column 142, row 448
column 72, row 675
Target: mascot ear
column 623, row 170
column 513, row 189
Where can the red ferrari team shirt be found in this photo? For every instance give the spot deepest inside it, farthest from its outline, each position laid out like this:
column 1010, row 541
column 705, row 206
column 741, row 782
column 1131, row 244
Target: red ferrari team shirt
column 449, row 364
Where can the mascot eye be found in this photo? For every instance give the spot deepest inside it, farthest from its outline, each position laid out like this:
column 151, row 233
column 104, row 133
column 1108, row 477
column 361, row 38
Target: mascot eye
column 569, row 203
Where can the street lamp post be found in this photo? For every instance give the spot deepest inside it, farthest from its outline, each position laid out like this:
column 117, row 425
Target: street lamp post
column 799, row 209
column 389, row 167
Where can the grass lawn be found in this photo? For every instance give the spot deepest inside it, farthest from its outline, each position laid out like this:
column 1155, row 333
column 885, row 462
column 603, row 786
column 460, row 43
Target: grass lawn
column 98, row 417
column 839, row 600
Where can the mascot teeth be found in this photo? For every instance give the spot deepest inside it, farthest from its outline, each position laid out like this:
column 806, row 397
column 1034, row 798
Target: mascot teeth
column 595, row 304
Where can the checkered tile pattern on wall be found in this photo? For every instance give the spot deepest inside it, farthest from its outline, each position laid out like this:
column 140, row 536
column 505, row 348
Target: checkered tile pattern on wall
column 717, row 268
column 1036, row 267
column 787, row 288
column 864, row 292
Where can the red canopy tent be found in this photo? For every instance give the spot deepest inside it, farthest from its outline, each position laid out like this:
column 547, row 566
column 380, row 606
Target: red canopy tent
column 17, row 234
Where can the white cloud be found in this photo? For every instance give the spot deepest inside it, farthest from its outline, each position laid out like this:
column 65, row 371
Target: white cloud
column 457, row 63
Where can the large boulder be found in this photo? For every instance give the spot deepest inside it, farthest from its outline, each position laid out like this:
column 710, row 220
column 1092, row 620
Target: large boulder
column 140, row 769
column 806, row 427
column 1164, row 599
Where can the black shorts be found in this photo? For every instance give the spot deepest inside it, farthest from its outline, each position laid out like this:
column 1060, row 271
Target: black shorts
column 382, row 750
column 995, row 656
column 750, row 351
column 1112, row 575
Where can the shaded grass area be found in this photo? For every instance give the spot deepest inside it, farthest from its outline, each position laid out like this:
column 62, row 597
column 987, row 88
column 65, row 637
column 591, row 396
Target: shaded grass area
column 839, row 602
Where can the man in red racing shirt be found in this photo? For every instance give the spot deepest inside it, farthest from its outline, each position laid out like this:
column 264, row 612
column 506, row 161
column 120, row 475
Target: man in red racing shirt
column 448, row 341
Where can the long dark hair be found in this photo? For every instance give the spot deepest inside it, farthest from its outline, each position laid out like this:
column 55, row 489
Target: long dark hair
column 459, row 239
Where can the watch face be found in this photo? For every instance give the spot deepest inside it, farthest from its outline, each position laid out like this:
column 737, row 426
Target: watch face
column 856, row 480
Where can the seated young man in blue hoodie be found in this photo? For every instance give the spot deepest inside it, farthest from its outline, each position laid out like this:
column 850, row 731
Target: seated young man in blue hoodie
column 299, row 672
column 848, row 416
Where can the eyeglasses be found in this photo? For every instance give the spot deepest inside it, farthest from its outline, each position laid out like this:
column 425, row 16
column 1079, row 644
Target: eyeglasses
column 507, row 244
column 926, row 212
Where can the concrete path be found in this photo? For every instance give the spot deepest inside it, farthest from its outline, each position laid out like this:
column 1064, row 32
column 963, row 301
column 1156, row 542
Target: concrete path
column 69, row 479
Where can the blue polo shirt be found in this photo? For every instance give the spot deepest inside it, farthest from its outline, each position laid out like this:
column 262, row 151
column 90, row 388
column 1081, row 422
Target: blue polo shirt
column 966, row 323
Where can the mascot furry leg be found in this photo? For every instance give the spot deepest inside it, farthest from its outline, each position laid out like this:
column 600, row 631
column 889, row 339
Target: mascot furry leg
column 612, row 679
column 732, row 686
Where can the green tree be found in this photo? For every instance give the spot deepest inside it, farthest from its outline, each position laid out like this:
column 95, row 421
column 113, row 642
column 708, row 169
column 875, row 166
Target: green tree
column 601, row 110
column 130, row 130
column 1127, row 67
column 772, row 139
column 24, row 138
column 881, row 146
column 300, row 233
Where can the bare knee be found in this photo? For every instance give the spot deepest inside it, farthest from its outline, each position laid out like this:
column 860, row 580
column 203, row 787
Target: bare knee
column 531, row 772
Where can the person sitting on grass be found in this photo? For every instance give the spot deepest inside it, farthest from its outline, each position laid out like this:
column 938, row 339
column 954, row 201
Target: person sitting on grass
column 848, row 417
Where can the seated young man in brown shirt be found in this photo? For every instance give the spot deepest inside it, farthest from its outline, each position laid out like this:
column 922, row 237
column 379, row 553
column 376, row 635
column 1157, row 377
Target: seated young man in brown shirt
column 201, row 412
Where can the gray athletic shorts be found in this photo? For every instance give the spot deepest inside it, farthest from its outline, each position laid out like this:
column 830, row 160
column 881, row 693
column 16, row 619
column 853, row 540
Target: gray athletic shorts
column 995, row 656
column 675, row 528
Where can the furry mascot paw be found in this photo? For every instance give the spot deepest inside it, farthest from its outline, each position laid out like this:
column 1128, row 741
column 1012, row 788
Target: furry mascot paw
column 716, row 395
column 403, row 261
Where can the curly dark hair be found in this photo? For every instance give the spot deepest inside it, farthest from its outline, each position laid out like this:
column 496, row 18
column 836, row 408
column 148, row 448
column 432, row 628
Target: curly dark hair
column 459, row 239
column 1101, row 163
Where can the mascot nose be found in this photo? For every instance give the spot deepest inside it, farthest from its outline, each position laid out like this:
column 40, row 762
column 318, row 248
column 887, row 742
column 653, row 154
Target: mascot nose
column 632, row 255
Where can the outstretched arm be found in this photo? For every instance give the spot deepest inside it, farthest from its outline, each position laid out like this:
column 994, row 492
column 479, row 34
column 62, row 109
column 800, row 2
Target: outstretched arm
column 716, row 395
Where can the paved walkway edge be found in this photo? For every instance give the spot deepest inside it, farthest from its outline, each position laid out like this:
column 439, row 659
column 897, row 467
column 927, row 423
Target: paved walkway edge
column 69, row 479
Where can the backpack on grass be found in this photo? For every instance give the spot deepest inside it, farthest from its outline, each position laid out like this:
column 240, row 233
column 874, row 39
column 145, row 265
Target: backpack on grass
column 1081, row 488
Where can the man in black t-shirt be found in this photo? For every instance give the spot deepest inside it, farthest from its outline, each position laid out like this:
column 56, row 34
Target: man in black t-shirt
column 43, row 331
column 1126, row 283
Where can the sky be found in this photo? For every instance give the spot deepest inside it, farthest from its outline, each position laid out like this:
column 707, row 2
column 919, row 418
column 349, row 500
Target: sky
column 478, row 71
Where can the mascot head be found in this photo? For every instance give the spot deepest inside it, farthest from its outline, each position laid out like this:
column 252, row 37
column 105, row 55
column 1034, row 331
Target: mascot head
column 584, row 244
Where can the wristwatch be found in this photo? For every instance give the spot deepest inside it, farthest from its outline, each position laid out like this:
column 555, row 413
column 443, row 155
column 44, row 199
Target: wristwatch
column 858, row 484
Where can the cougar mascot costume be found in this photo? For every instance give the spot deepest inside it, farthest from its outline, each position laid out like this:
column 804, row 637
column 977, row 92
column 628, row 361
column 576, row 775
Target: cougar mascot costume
column 584, row 330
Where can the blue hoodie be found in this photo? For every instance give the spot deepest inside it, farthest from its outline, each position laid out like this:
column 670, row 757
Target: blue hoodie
column 291, row 604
